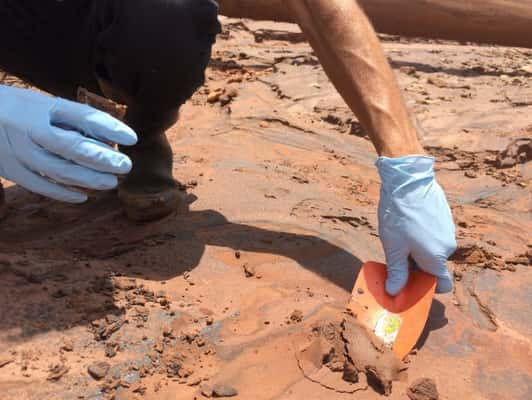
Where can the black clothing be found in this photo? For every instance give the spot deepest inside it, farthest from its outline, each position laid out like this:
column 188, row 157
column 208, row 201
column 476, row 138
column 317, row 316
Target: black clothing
column 148, row 54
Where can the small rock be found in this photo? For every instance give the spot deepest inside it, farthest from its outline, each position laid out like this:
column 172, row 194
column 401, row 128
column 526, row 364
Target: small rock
column 524, row 260
column 194, row 381
column 408, row 70
column 56, row 371
column 458, row 276
column 225, row 99
column 470, row 174
column 223, row 391
column 189, row 335
column 125, row 284
column 213, row 97
column 67, row 345
column 59, row 293
column 436, row 81
column 296, row 316
column 158, row 346
column 350, row 373
column 527, row 69
column 423, row 389
column 140, row 389
column 206, row 391
column 110, row 350
column 168, row 332
column 98, row 370
column 232, row 93
column 249, row 270
column 184, row 372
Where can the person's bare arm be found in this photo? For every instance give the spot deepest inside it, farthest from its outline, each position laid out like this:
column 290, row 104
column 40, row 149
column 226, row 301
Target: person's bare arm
column 350, row 53
column 412, row 205
column 502, row 22
column 352, row 56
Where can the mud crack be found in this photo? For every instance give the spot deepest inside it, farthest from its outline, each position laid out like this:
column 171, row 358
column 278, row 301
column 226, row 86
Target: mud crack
column 484, row 309
column 288, row 124
column 323, row 385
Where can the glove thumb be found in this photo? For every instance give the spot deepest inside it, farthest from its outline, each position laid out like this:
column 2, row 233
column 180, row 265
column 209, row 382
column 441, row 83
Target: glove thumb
column 438, row 268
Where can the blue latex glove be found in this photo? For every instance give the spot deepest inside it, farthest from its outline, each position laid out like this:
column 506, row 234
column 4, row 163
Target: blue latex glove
column 48, row 144
column 414, row 220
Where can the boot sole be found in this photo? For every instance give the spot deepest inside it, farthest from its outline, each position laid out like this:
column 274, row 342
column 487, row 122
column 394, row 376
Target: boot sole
column 149, row 207
column 3, row 205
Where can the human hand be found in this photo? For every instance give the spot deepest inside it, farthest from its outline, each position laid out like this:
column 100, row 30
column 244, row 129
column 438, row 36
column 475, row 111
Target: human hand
column 48, row 144
column 414, row 220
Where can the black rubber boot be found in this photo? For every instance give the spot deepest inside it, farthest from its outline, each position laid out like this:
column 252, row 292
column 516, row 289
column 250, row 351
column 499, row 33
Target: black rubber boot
column 3, row 205
column 149, row 192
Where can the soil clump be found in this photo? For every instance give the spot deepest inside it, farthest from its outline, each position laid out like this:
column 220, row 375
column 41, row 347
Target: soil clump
column 344, row 346
column 423, row 389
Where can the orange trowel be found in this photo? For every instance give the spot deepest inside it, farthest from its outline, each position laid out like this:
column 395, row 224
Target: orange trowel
column 398, row 321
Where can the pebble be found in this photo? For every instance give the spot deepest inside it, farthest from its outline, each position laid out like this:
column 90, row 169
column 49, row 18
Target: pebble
column 98, row 370
column 423, row 389
column 67, row 345
column 296, row 316
column 223, row 391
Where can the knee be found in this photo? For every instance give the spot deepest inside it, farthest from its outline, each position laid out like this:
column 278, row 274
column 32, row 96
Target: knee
column 155, row 52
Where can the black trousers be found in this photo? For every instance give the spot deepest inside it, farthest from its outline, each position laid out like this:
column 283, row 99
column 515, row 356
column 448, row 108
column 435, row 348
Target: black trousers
column 148, row 54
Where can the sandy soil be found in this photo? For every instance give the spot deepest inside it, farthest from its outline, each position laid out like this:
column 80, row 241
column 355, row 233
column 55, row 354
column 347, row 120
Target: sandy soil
column 233, row 293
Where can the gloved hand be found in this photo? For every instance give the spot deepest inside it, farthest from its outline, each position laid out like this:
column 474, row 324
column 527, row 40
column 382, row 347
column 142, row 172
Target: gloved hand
column 414, row 220
column 47, row 144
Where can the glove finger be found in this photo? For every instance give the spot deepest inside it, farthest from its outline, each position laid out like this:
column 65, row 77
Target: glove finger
column 68, row 173
column 35, row 183
column 436, row 266
column 397, row 267
column 84, row 151
column 92, row 122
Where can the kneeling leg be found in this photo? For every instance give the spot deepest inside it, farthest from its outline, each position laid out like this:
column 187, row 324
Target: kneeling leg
column 153, row 58
column 147, row 54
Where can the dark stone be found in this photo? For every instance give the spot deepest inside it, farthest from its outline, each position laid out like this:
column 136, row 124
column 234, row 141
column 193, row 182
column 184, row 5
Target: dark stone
column 98, row 370
column 223, row 391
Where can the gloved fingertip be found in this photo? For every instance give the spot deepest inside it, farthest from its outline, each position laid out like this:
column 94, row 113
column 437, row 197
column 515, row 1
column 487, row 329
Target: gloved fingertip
column 74, row 198
column 106, row 182
column 444, row 285
column 123, row 164
column 103, row 126
column 127, row 136
column 395, row 282
column 117, row 131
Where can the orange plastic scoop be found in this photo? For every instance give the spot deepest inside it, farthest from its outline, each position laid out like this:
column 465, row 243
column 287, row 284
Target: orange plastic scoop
column 398, row 321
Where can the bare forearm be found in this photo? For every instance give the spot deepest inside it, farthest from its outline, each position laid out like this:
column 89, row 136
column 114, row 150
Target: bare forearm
column 352, row 56
column 504, row 22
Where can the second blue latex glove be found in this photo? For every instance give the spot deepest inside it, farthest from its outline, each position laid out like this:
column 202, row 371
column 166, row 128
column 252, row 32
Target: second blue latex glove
column 414, row 220
column 51, row 146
